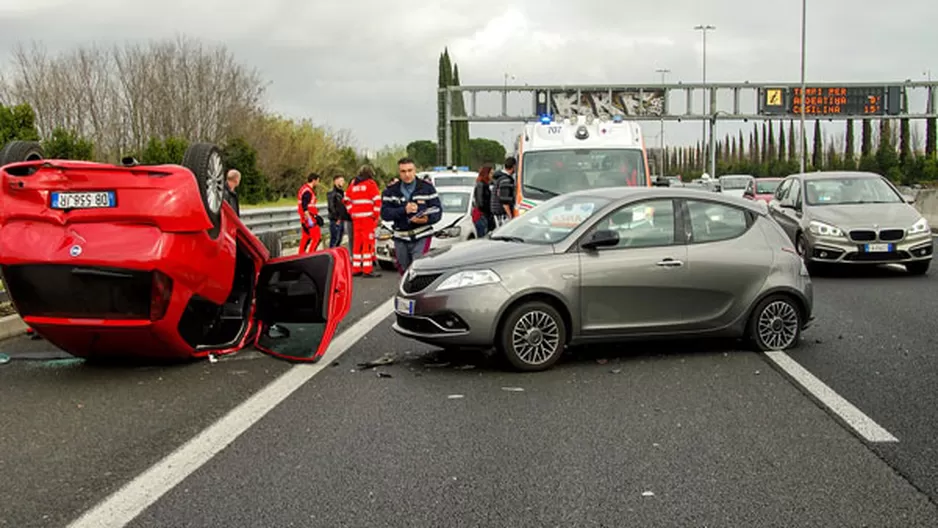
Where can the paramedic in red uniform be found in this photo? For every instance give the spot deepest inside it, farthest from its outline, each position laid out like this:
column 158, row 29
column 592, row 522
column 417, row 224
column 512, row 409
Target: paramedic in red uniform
column 363, row 201
column 309, row 214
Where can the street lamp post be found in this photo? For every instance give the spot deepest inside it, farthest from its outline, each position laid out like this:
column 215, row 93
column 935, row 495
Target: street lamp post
column 804, row 140
column 663, row 72
column 706, row 110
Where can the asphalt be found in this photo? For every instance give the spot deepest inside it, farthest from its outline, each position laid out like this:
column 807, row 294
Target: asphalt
column 647, row 434
column 71, row 433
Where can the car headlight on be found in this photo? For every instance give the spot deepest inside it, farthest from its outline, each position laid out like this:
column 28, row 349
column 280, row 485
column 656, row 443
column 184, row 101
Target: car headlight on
column 465, row 279
column 449, row 232
column 920, row 227
column 822, row 229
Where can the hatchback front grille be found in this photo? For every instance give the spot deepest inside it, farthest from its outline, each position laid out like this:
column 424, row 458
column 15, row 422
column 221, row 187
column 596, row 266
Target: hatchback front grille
column 416, row 283
column 863, row 235
column 891, row 235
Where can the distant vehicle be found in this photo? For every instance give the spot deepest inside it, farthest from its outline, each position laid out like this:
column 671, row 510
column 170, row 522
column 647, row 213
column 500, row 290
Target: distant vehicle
column 607, row 265
column 762, row 189
column 455, row 225
column 576, row 153
column 450, row 176
column 149, row 261
column 734, row 184
column 856, row 218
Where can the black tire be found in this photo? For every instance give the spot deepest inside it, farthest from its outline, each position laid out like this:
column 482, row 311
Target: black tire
column 552, row 328
column 17, row 151
column 273, row 242
column 801, row 247
column 387, row 266
column 206, row 163
column 918, row 268
column 783, row 315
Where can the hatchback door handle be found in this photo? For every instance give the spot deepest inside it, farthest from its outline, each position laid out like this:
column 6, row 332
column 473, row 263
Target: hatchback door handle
column 670, row 263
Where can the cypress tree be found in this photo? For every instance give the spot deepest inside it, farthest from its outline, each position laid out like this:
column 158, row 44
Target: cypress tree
column 772, row 154
column 817, row 153
column 849, row 161
column 460, row 140
column 782, row 151
column 866, row 141
column 792, row 149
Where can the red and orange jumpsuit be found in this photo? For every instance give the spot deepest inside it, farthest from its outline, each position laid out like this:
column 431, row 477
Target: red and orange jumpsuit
column 306, row 201
column 363, row 201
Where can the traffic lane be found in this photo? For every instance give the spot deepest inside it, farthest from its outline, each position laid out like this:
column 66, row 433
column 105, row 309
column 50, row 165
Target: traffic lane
column 875, row 345
column 74, row 433
column 712, row 437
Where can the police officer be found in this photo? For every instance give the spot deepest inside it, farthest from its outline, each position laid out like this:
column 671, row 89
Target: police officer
column 413, row 206
column 309, row 214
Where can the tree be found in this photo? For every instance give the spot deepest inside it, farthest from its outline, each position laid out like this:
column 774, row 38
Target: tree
column 461, row 151
column 849, row 161
column 866, row 139
column 886, row 157
column 424, row 152
column 65, row 144
column 792, row 149
column 482, row 151
column 817, row 151
column 120, row 97
column 163, row 151
column 17, row 122
column 782, row 151
column 930, row 143
column 239, row 154
column 905, row 149
column 772, row 154
column 444, row 80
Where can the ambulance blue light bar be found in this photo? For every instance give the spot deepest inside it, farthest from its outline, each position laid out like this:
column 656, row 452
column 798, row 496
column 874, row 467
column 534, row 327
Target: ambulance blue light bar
column 546, row 119
column 453, row 168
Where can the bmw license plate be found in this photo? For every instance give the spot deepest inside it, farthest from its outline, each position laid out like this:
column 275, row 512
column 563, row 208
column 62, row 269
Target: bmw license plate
column 879, row 248
column 84, row 200
column 404, row 306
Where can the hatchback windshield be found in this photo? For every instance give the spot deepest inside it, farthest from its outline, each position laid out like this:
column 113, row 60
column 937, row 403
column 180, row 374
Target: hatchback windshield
column 844, row 191
column 454, row 202
column 767, row 186
column 545, row 174
column 734, row 182
column 551, row 221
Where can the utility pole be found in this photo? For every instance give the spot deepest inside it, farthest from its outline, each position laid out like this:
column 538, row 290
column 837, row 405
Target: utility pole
column 704, row 28
column 663, row 72
column 804, row 139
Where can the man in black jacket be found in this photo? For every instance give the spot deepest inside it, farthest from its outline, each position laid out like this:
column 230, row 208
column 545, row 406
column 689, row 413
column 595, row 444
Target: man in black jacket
column 503, row 193
column 233, row 179
column 339, row 219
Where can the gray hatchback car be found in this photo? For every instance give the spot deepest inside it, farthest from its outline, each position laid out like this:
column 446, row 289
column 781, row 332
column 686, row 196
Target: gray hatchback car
column 852, row 218
column 607, row 265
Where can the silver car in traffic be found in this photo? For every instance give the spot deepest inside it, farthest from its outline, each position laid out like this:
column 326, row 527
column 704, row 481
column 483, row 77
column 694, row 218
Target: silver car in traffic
column 611, row 264
column 852, row 218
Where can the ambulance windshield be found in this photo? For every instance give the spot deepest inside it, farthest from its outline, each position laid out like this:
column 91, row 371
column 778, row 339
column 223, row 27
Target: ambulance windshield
column 549, row 173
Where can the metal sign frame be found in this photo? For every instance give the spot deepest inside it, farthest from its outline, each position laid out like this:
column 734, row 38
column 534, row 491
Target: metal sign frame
column 894, row 102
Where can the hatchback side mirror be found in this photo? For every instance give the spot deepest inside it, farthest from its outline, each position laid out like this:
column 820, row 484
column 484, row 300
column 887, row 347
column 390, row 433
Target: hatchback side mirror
column 602, row 238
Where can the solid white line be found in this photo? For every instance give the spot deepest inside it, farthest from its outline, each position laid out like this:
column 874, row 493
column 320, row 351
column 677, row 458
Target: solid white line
column 125, row 504
column 861, row 423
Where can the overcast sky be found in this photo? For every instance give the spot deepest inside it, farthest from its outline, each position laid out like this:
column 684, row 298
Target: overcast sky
column 371, row 66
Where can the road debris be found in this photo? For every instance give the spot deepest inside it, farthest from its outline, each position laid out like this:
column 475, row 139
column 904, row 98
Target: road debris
column 602, row 361
column 513, row 389
column 465, row 367
column 455, row 397
column 648, row 494
column 616, row 371
column 4, row 359
column 436, row 365
column 212, row 358
column 387, row 359
column 383, row 375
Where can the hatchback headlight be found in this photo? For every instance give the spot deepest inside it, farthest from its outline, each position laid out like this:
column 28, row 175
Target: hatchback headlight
column 449, row 232
column 920, row 227
column 464, row 279
column 822, row 229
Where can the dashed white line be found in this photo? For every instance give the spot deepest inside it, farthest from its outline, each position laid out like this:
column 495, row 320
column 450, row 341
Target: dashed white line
column 854, row 417
column 128, row 502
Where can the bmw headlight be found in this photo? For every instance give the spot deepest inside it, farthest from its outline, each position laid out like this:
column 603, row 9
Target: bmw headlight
column 920, row 227
column 464, row 279
column 449, row 232
column 822, row 229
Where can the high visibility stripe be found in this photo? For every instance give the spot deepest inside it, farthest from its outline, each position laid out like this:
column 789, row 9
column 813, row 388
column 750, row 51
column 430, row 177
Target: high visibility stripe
column 361, row 201
column 424, row 196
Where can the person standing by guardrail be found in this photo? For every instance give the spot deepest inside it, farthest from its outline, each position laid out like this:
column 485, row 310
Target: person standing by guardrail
column 310, row 220
column 363, row 202
column 413, row 206
column 233, row 180
column 339, row 220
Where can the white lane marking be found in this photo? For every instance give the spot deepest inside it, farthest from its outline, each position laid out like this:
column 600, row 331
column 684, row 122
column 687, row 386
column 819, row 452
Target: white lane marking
column 861, row 423
column 133, row 498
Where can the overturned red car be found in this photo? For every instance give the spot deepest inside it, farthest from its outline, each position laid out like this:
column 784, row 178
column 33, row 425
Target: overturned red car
column 150, row 262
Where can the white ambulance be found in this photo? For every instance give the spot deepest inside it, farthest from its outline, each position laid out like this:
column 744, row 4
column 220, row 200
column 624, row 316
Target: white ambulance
column 581, row 152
